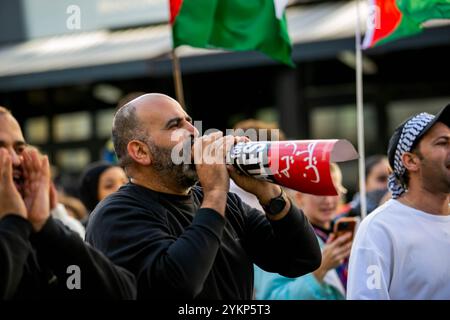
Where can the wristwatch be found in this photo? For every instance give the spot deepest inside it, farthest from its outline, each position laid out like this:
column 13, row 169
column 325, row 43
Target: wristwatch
column 276, row 205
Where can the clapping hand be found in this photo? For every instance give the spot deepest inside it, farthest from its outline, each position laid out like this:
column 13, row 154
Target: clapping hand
column 11, row 201
column 36, row 170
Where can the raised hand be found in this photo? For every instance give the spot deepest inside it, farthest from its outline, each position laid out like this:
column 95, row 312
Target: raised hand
column 53, row 196
column 210, row 154
column 36, row 171
column 263, row 190
column 11, row 201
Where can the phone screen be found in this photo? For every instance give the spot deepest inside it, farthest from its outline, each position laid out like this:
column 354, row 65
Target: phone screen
column 345, row 225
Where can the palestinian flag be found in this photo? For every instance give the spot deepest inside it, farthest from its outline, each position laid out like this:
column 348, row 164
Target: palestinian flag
column 393, row 19
column 239, row 25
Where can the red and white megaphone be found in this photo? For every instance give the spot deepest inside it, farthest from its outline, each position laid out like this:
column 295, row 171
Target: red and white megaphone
column 302, row 165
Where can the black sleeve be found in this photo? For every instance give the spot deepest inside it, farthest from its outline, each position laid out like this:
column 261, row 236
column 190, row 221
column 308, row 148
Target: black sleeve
column 288, row 246
column 166, row 266
column 14, row 250
column 100, row 278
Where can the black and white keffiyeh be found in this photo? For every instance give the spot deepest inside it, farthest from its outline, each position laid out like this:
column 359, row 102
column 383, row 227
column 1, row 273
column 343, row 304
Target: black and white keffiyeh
column 411, row 130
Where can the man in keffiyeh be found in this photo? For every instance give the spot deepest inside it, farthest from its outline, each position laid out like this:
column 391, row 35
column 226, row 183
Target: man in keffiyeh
column 401, row 249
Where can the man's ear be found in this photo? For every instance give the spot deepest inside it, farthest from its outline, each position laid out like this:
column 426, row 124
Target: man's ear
column 139, row 152
column 411, row 161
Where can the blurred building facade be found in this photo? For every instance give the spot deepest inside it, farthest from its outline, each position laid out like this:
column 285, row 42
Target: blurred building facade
column 65, row 64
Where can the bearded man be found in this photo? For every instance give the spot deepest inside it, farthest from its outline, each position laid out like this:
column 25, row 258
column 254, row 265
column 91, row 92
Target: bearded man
column 182, row 240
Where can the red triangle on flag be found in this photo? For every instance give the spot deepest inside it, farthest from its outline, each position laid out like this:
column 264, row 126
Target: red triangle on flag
column 175, row 6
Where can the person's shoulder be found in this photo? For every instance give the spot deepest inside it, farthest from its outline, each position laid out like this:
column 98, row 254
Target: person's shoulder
column 379, row 232
column 382, row 213
column 128, row 205
column 382, row 220
column 131, row 194
column 129, row 199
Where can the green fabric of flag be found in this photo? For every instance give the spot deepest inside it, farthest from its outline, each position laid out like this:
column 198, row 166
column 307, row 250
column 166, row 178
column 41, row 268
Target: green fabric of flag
column 239, row 25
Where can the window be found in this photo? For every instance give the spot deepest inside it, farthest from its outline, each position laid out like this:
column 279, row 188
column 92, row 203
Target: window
column 104, row 121
column 73, row 159
column 339, row 122
column 36, row 130
column 72, row 127
column 399, row 111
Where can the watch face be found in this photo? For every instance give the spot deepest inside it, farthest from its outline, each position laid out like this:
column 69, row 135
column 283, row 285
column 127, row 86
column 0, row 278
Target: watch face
column 277, row 205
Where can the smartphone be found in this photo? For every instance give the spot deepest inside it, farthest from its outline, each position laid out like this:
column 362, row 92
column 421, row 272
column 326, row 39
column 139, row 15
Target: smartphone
column 345, row 225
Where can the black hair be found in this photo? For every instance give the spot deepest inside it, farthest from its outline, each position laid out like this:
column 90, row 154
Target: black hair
column 126, row 127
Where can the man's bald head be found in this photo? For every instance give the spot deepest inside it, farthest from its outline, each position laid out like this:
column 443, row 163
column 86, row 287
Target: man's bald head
column 152, row 100
column 127, row 125
column 4, row 111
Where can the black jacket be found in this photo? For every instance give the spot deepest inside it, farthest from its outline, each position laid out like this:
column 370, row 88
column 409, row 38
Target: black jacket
column 178, row 250
column 35, row 265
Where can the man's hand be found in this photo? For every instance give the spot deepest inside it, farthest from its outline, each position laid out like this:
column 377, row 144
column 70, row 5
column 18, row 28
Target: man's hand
column 210, row 153
column 10, row 199
column 263, row 190
column 37, row 187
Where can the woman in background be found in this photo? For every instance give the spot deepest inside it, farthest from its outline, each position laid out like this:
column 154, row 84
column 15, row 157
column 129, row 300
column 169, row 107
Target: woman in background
column 98, row 181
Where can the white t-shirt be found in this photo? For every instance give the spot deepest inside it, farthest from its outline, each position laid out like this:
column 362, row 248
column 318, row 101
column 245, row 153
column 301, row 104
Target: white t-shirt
column 400, row 253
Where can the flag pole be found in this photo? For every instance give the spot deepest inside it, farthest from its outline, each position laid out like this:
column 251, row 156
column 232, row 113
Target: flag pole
column 178, row 81
column 360, row 114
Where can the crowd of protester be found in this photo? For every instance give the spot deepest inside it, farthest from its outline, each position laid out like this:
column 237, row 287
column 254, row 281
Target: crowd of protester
column 141, row 226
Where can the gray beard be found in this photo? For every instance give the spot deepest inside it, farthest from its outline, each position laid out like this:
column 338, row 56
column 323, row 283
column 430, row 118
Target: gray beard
column 185, row 175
